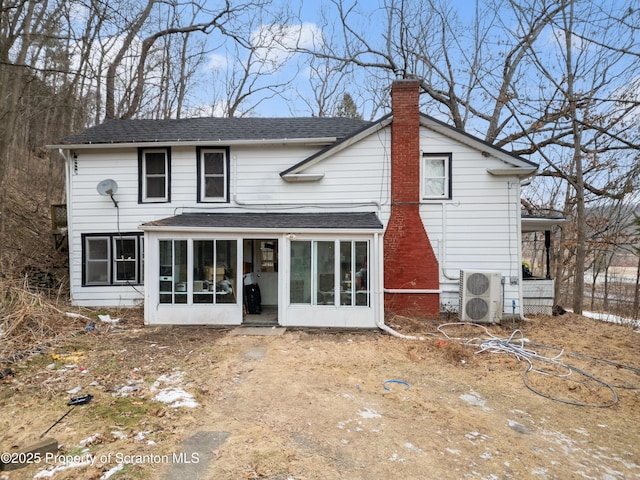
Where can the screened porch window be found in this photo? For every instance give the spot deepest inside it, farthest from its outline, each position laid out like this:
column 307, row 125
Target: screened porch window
column 330, row 273
column 214, row 272
column 212, row 264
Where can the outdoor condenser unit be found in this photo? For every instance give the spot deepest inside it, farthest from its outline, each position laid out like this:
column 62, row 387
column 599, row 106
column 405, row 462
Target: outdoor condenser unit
column 480, row 296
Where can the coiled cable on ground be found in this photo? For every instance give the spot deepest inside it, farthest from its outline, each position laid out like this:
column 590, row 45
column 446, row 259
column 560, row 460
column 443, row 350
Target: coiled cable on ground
column 519, row 347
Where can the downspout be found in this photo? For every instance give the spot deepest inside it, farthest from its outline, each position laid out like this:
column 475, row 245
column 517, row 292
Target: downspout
column 391, row 331
column 379, row 280
column 443, row 266
column 68, row 161
column 518, row 227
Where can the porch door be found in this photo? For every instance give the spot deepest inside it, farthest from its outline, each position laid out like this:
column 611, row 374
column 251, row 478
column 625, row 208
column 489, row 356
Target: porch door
column 261, row 259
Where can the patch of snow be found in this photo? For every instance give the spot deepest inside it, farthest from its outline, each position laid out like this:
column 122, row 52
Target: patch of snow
column 95, row 438
column 75, row 390
column 108, row 319
column 368, row 413
column 475, row 399
column 140, row 436
column 396, row 458
column 130, row 387
column 119, row 435
column 540, row 471
column 111, row 472
column 473, row 436
column 607, row 317
column 177, row 397
column 174, row 379
column 49, row 473
column 413, row 448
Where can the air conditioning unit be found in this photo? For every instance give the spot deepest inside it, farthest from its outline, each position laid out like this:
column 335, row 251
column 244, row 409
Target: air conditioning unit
column 480, row 296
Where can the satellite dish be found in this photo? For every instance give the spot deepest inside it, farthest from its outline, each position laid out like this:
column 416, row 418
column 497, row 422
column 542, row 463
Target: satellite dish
column 107, row 187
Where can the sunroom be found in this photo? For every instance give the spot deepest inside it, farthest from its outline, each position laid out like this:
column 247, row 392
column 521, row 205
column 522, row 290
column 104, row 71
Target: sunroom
column 311, row 270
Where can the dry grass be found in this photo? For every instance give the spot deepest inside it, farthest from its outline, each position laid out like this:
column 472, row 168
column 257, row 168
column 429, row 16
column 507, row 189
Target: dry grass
column 313, row 405
column 31, row 319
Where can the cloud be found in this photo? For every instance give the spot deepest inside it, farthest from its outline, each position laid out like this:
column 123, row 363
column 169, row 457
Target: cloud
column 274, row 44
column 216, row 62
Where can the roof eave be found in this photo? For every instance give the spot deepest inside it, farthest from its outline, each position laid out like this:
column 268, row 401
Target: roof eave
column 293, row 230
column 521, row 172
column 302, row 177
column 474, row 142
column 187, row 143
column 538, row 224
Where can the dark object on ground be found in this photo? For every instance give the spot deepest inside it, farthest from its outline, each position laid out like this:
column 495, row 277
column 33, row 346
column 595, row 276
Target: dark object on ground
column 558, row 310
column 73, row 403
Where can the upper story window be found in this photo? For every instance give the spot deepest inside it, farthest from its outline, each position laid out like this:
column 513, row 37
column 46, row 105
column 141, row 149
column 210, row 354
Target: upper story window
column 154, row 175
column 213, row 175
column 436, row 176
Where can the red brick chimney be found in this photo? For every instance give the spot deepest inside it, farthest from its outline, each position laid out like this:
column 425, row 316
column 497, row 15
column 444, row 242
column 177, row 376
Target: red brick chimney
column 409, row 261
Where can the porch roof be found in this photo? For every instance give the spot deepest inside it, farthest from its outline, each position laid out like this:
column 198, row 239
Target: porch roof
column 269, row 221
column 540, row 220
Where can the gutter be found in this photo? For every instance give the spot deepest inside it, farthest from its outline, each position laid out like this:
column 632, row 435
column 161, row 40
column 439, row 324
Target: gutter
column 189, row 143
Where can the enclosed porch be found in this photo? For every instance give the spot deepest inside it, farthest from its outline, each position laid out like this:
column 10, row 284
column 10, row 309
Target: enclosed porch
column 311, row 270
column 538, row 286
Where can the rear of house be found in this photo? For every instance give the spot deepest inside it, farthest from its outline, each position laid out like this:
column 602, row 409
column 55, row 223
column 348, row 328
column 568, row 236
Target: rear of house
column 313, row 222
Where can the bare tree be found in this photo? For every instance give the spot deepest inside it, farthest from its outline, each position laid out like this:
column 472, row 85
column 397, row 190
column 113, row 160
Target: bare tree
column 592, row 129
column 260, row 68
column 550, row 79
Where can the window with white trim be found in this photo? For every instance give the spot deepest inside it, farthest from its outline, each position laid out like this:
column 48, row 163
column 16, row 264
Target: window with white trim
column 213, row 175
column 154, row 175
column 331, row 272
column 97, row 264
column 213, row 267
column 436, row 176
column 112, row 259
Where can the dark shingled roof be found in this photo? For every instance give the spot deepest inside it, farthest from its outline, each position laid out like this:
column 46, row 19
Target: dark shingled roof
column 210, row 129
column 272, row 220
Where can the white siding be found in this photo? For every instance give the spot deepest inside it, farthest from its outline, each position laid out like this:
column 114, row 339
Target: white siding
column 477, row 229
column 354, row 181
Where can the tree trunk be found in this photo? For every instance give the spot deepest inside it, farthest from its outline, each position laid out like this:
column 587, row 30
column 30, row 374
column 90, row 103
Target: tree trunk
column 636, row 297
column 578, row 285
column 11, row 81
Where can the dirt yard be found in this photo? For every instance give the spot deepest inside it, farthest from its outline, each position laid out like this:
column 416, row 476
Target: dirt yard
column 454, row 404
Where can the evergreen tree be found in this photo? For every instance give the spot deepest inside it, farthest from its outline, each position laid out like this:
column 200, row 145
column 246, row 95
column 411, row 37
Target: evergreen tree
column 347, row 108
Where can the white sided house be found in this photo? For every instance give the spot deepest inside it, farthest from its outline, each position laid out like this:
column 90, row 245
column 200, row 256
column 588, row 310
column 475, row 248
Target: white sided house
column 336, row 220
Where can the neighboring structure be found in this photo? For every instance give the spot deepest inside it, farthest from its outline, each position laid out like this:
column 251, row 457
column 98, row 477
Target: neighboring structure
column 538, row 288
column 337, row 220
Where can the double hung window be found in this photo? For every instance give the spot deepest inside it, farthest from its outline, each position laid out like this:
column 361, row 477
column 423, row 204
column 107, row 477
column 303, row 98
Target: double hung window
column 112, row 259
column 436, row 176
column 154, row 175
column 213, row 175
